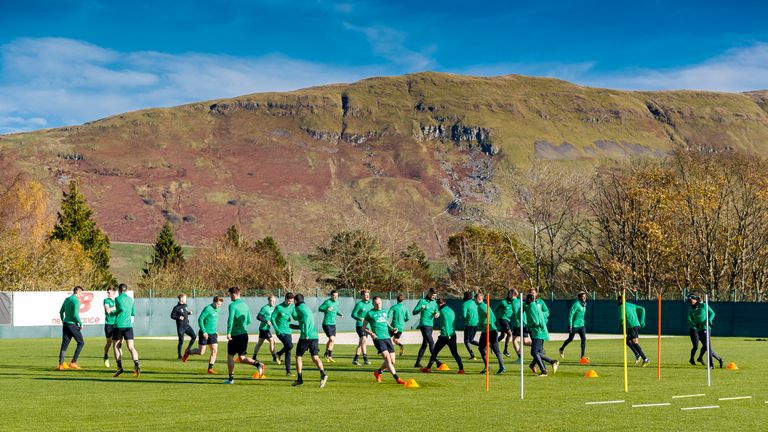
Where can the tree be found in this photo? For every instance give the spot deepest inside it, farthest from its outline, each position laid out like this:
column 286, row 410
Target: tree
column 166, row 251
column 75, row 223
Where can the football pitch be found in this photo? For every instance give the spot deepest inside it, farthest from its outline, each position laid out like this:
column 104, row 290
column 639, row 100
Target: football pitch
column 170, row 395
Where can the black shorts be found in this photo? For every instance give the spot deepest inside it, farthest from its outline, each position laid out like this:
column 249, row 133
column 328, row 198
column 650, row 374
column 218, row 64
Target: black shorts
column 360, row 331
column 307, row 344
column 122, row 333
column 383, row 345
column 395, row 333
column 504, row 326
column 329, row 329
column 516, row 332
column 212, row 339
column 265, row 334
column 238, row 346
column 109, row 330
column 633, row 332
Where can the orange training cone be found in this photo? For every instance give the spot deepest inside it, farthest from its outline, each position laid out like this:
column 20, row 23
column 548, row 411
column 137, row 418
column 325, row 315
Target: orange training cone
column 732, row 366
column 443, row 367
column 591, row 374
column 584, row 361
column 411, row 383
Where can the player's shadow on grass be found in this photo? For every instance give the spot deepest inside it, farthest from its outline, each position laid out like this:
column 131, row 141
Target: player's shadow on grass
column 128, row 379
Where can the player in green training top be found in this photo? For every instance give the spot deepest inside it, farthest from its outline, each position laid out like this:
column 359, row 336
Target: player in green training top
column 70, row 328
column 539, row 333
column 125, row 312
column 505, row 313
column 486, row 316
column 635, row 319
column 281, row 321
column 358, row 314
column 576, row 324
column 469, row 315
column 377, row 319
column 308, row 340
column 426, row 308
column 697, row 320
column 237, row 336
column 265, row 318
column 519, row 331
column 447, row 336
column 398, row 315
column 330, row 310
column 208, row 334
column 109, row 322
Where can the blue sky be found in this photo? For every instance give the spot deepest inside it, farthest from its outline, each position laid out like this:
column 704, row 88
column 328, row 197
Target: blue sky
column 67, row 62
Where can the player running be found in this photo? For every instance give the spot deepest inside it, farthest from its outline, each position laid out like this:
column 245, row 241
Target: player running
column 517, row 331
column 308, row 340
column 70, row 328
column 492, row 335
column 447, row 336
column 505, row 313
column 208, row 334
column 697, row 320
column 635, row 319
column 397, row 316
column 109, row 322
column 537, row 324
column 376, row 318
column 180, row 313
column 265, row 318
column 237, row 335
column 426, row 308
column 330, row 310
column 469, row 315
column 281, row 321
column 358, row 314
column 576, row 324
column 125, row 312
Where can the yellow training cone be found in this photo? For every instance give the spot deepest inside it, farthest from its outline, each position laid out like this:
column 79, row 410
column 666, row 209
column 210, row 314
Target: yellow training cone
column 256, row 375
column 443, row 367
column 732, row 366
column 411, row 383
column 591, row 374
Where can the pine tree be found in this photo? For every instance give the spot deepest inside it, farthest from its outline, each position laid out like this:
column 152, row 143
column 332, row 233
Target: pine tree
column 233, row 236
column 166, row 251
column 75, row 223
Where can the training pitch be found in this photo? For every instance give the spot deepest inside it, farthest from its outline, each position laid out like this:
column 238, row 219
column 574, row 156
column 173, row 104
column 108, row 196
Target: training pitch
column 170, row 395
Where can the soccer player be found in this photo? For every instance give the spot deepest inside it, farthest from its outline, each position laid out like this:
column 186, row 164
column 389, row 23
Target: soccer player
column 697, row 320
column 426, row 308
column 447, row 336
column 542, row 306
column 516, row 330
column 70, row 328
column 537, row 324
column 505, row 312
column 281, row 321
column 180, row 313
column 635, row 319
column 265, row 334
column 208, row 333
column 125, row 312
column 576, row 324
column 469, row 315
column 237, row 335
column 330, row 310
column 109, row 322
column 307, row 340
column 377, row 319
column 492, row 335
column 358, row 314
column 398, row 315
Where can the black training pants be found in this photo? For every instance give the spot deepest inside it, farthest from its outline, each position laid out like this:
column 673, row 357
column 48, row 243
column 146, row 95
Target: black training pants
column 68, row 332
column 469, row 338
column 287, row 342
column 493, row 337
column 180, row 332
column 694, row 341
column 582, row 335
column 426, row 341
column 441, row 343
column 537, row 352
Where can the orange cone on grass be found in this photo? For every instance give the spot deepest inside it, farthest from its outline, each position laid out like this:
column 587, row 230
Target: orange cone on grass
column 584, row 361
column 732, row 366
column 591, row 374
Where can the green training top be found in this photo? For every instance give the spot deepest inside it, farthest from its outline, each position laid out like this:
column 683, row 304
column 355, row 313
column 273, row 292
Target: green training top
column 303, row 314
column 109, row 317
column 398, row 316
column 330, row 309
column 361, row 309
column 482, row 308
column 635, row 316
column 697, row 316
column 265, row 316
column 427, row 313
column 446, row 321
column 209, row 319
column 469, row 313
column 281, row 318
column 543, row 308
column 377, row 319
column 576, row 315
column 504, row 310
column 516, row 311
column 124, row 310
column 239, row 318
column 537, row 324
column 70, row 311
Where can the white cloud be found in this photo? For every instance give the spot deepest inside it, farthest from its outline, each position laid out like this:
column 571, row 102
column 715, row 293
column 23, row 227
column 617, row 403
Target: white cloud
column 390, row 44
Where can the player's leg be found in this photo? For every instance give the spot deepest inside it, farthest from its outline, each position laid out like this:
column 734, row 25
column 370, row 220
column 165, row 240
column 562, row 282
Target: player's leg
column 272, row 348
column 571, row 335
column 256, row 348
column 192, row 337
column 299, row 365
column 134, row 354
column 78, row 336
column 483, row 351
column 583, row 337
column 287, row 342
column 439, row 345
column 180, row 332
column 107, row 344
column 424, row 344
column 66, row 337
column 495, row 347
column 360, row 350
column 469, row 336
column 537, row 350
column 694, row 335
column 453, row 346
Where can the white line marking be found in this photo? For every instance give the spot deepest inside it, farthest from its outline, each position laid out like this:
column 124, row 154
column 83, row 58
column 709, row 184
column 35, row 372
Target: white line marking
column 603, row 402
column 701, row 407
column 688, row 396
column 651, row 405
column 735, row 398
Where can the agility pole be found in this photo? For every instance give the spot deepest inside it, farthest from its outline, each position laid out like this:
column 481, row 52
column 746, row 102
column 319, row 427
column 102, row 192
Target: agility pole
column 521, row 345
column 658, row 345
column 709, row 340
column 624, row 331
column 487, row 340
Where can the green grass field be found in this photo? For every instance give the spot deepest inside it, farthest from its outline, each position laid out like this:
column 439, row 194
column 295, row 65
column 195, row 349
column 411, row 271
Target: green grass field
column 170, row 395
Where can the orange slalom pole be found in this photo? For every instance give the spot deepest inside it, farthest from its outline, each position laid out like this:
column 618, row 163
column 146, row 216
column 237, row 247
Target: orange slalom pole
column 658, row 343
column 487, row 341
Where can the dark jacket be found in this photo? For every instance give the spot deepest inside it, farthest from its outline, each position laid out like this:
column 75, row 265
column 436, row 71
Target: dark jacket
column 178, row 311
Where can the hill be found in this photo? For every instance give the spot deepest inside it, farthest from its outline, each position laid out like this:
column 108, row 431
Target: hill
column 433, row 149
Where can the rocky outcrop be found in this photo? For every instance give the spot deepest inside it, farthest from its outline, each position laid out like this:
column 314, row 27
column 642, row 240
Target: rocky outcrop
column 462, row 135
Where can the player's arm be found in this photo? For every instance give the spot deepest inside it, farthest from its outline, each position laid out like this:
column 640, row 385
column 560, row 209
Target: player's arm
column 61, row 311
column 390, row 314
column 203, row 315
column 324, row 307
column 711, row 315
column 420, row 306
column 641, row 315
column 572, row 314
column 175, row 313
column 230, row 321
column 691, row 323
column 544, row 310
column 77, row 314
column 273, row 318
column 356, row 312
column 366, row 323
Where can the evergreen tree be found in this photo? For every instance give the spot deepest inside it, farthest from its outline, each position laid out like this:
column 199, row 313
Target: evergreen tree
column 166, row 251
column 75, row 223
column 233, row 236
column 269, row 248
